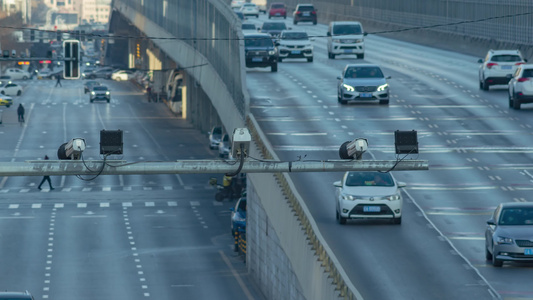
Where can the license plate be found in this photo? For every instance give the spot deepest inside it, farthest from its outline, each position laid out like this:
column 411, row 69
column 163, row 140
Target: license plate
column 347, row 51
column 278, row 14
column 371, row 208
column 506, row 67
column 365, row 95
column 257, row 59
column 528, row 251
column 306, row 14
column 296, row 52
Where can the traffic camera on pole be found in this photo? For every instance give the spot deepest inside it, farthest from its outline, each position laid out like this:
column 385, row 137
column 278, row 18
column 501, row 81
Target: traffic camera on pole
column 71, row 52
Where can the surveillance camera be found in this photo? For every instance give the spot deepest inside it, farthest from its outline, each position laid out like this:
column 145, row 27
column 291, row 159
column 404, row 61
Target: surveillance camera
column 241, row 138
column 353, row 149
column 72, row 149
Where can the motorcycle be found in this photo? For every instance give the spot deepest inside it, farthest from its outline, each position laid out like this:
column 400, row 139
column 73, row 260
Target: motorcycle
column 232, row 192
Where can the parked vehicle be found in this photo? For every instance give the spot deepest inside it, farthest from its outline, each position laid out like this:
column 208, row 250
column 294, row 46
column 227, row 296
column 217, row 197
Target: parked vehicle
column 17, row 74
column 121, row 75
column 10, row 88
column 214, row 137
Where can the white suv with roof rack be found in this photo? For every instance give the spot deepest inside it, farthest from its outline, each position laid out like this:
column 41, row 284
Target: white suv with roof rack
column 497, row 66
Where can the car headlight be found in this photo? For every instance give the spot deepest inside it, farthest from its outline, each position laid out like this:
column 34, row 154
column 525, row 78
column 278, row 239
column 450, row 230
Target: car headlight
column 107, row 93
column 393, row 197
column 504, row 240
column 383, row 87
column 271, row 52
column 348, row 197
column 349, row 88
column 359, row 41
column 92, row 93
column 336, row 40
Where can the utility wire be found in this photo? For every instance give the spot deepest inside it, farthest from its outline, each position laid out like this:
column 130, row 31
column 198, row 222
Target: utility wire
column 108, row 36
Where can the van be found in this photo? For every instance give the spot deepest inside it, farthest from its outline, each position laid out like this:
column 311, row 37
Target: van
column 261, row 4
column 346, row 37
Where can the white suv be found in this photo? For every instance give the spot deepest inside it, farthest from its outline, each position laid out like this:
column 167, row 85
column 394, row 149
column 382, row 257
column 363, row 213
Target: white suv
column 17, row 74
column 295, row 44
column 497, row 66
column 346, row 38
column 521, row 86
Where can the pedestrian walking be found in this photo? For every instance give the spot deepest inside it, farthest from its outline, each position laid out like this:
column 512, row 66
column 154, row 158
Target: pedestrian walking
column 20, row 112
column 46, row 178
column 59, row 80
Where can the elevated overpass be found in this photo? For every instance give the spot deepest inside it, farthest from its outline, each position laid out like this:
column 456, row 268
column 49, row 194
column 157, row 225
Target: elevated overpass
column 202, row 39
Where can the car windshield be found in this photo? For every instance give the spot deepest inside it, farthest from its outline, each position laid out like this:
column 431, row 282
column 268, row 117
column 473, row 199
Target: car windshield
column 100, row 88
column 369, row 179
column 275, row 6
column 306, row 8
column 295, row 36
column 274, row 26
column 258, row 42
column 528, row 73
column 217, row 130
column 516, row 216
column 248, row 26
column 363, row 72
column 506, row 58
column 347, row 29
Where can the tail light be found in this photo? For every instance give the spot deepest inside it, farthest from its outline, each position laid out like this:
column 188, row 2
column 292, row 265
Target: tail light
column 299, row 13
column 523, row 79
column 490, row 65
column 313, row 12
column 520, row 63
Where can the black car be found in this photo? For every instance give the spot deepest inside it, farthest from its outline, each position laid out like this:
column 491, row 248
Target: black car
column 260, row 51
column 274, row 28
column 304, row 13
column 89, row 84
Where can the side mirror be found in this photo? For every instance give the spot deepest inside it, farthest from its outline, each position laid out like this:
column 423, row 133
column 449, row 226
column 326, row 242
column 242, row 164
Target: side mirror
column 365, row 33
column 339, row 78
column 388, row 77
column 289, row 28
column 401, row 184
column 480, row 61
column 337, row 184
column 276, row 43
column 491, row 222
column 525, row 59
column 328, row 34
column 258, row 29
column 232, row 208
column 312, row 39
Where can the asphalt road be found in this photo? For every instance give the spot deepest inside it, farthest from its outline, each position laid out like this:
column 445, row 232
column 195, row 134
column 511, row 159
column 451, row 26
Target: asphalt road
column 479, row 152
column 112, row 237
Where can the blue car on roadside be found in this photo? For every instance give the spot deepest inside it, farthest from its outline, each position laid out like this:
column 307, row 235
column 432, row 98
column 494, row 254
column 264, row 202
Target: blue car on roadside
column 238, row 216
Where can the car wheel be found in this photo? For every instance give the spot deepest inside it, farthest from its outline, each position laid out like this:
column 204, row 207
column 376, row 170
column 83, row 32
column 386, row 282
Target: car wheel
column 19, row 93
column 24, row 77
column 397, row 220
column 314, row 22
column 485, row 85
column 361, row 56
column 269, row 16
column 108, row 100
column 280, row 59
column 257, row 16
column 496, row 262
column 274, row 68
column 310, row 59
column 510, row 100
column 284, row 17
column 488, row 255
column 118, row 79
column 516, row 104
column 332, row 56
column 7, row 105
column 384, row 102
column 294, row 22
column 3, row 93
column 344, row 102
column 342, row 220
column 92, row 100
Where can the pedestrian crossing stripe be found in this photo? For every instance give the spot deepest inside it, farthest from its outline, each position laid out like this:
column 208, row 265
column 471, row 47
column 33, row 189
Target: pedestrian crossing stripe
column 108, row 189
column 108, row 204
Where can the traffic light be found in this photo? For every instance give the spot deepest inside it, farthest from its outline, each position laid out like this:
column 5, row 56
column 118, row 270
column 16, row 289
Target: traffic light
column 71, row 52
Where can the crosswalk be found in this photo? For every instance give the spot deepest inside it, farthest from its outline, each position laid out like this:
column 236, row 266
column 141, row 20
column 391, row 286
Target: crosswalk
column 78, row 189
column 93, row 205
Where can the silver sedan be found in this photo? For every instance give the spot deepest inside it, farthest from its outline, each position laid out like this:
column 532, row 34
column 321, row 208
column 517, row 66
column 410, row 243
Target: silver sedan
column 363, row 82
column 509, row 234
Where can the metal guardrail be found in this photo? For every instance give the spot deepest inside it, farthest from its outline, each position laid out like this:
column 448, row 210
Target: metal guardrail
column 328, row 261
column 515, row 29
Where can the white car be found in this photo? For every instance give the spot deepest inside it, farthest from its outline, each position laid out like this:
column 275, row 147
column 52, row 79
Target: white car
column 368, row 195
column 10, row 89
column 17, row 74
column 346, row 38
column 497, row 66
column 250, row 9
column 214, row 137
column 121, row 75
column 295, row 44
column 236, row 4
column 521, row 86
column 224, row 146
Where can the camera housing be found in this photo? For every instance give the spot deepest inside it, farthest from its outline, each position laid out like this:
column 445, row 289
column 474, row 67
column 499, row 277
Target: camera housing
column 72, row 149
column 240, row 137
column 353, row 149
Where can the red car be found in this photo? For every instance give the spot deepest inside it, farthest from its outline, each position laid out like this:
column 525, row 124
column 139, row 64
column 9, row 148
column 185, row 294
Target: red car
column 277, row 10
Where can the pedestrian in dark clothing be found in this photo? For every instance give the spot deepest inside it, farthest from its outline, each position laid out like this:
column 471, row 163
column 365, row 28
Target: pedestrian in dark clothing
column 149, row 92
column 20, row 112
column 59, row 81
column 46, row 178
